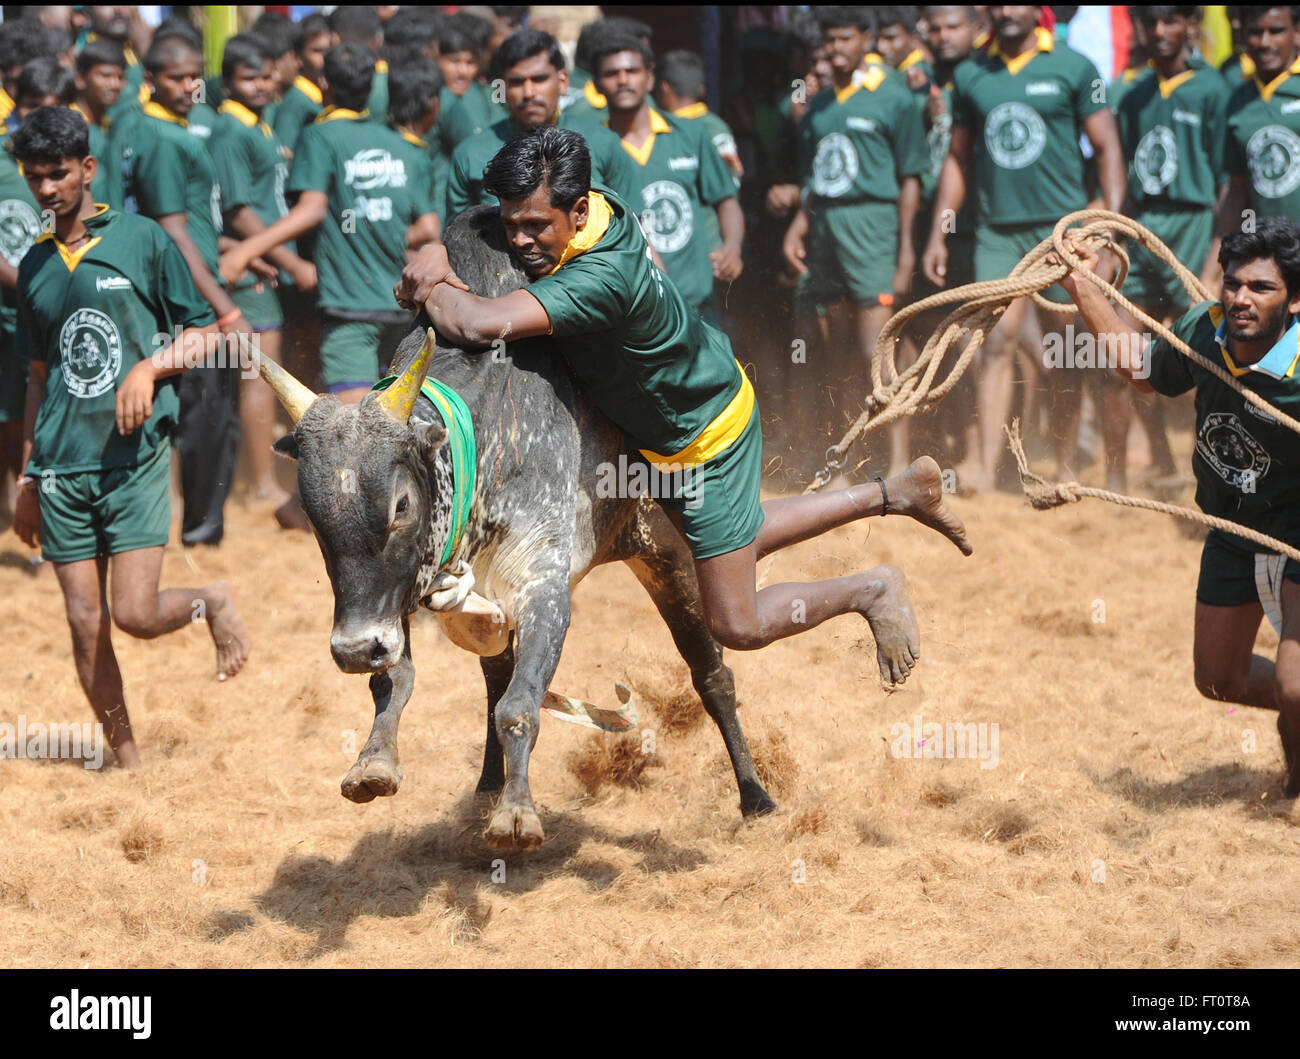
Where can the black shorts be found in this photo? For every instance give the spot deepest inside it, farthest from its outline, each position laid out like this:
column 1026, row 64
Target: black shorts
column 1234, row 573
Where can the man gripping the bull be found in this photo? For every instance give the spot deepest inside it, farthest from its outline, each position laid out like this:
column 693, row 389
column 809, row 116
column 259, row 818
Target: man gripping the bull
column 672, row 384
column 1247, row 464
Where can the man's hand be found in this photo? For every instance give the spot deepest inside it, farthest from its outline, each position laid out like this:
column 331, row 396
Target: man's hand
column 263, row 269
column 304, row 275
column 1089, row 261
column 934, row 262
column 794, row 252
column 782, row 200
column 903, row 276
column 727, row 264
column 232, row 265
column 425, row 271
column 934, row 106
column 916, row 78
column 135, row 398
column 27, row 516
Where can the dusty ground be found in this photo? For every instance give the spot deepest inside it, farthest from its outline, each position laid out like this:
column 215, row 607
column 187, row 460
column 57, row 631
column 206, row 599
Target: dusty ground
column 1124, row 825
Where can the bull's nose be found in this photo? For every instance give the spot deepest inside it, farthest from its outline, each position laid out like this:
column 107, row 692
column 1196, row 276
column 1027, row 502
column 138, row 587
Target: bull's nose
column 366, row 652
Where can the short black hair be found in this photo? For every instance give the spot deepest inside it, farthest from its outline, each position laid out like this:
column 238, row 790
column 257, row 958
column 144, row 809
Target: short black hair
column 169, row 49
column 244, row 49
column 1248, row 14
column 547, row 155
column 355, row 24
column 103, row 51
column 412, row 84
column 179, row 26
column 410, row 27
column 683, row 72
column 47, row 77
column 50, row 134
column 613, row 43
column 862, row 18
column 276, row 33
column 478, row 30
column 896, row 16
column 1274, row 237
column 454, row 36
column 633, row 26
column 350, row 71
column 1154, row 13
column 524, row 44
column 21, row 40
column 312, row 26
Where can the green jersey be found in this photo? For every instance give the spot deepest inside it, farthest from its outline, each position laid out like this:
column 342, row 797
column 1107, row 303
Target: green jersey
column 134, row 91
column 1172, row 131
column 200, row 122
column 166, row 170
column 1238, row 70
column 250, row 168
column 377, row 185
column 20, row 225
column 460, row 117
column 1026, row 117
column 1247, row 464
column 98, row 148
column 681, row 176
column 611, row 166
column 91, row 315
column 635, row 346
column 589, row 104
column 858, row 144
column 301, row 105
column 377, row 101
column 1264, row 142
column 723, row 142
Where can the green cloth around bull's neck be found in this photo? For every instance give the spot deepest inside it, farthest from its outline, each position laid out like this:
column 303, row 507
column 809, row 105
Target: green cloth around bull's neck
column 464, row 453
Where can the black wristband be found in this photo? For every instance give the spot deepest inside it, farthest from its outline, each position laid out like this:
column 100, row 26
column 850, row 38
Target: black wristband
column 884, row 497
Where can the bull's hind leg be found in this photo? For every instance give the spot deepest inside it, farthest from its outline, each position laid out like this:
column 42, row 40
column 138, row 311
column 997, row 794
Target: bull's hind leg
column 542, row 619
column 662, row 563
column 497, row 671
column 376, row 772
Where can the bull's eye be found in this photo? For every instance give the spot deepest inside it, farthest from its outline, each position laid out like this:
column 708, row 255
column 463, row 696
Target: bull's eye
column 402, row 504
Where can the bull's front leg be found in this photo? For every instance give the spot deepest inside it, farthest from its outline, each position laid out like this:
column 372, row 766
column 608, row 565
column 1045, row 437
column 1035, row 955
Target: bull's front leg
column 542, row 619
column 376, row 772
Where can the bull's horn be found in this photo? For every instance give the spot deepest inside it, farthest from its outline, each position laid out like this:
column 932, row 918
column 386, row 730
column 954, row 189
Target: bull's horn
column 295, row 397
column 399, row 398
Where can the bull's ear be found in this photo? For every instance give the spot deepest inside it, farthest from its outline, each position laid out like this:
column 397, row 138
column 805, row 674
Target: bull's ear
column 287, row 445
column 429, row 438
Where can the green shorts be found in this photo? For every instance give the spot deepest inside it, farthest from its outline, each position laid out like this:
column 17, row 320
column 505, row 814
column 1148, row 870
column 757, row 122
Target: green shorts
column 1188, row 233
column 998, row 249
column 1234, row 572
column 852, row 253
column 356, row 353
column 718, row 499
column 260, row 308
column 96, row 513
column 13, row 381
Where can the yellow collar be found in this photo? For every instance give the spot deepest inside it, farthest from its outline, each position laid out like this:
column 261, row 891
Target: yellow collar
column 1216, row 318
column 331, row 113
column 914, row 57
column 381, row 66
column 72, row 258
column 86, row 115
column 1266, row 90
column 244, row 115
column 308, row 89
column 658, row 124
column 592, row 94
column 157, row 110
column 692, row 110
column 411, row 137
column 1043, row 42
column 598, row 218
column 1247, row 66
column 1167, row 85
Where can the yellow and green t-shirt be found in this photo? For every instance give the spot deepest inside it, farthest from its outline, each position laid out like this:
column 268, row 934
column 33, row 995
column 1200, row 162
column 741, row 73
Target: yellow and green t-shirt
column 301, row 105
column 1264, row 142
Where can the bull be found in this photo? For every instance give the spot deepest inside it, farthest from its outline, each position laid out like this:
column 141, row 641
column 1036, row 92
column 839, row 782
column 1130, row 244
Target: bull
column 376, row 482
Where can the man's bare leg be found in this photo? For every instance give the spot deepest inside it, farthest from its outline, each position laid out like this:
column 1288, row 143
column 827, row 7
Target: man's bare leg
column 993, row 397
column 139, row 609
column 257, row 411
column 1286, row 686
column 11, row 457
column 85, row 598
column 870, row 321
column 1226, row 667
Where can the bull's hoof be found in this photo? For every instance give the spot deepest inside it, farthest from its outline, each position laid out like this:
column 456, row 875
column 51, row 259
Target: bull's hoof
column 371, row 779
column 754, row 801
column 513, row 827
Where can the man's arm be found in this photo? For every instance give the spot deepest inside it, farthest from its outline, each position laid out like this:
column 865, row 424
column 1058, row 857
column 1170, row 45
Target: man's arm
column 135, row 395
column 424, row 229
column 727, row 263
column 1101, row 319
column 176, row 225
column 309, row 211
column 1103, row 134
column 1232, row 207
column 792, row 247
column 27, row 510
column 246, row 223
column 909, row 202
column 947, row 203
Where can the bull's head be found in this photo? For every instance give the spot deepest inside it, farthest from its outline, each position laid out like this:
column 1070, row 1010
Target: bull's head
column 366, row 478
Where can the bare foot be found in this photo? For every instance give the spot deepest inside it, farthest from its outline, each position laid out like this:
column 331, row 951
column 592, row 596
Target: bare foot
column 291, row 516
column 893, row 624
column 265, row 497
column 918, row 492
column 128, row 757
column 227, row 629
column 1291, row 784
column 971, row 479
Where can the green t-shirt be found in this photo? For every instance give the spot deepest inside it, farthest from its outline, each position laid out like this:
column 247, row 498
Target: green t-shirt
column 200, row 122
column 377, row 101
column 1237, row 70
column 1172, row 133
column 723, row 142
column 299, row 108
column 20, row 227
column 377, row 185
column 1264, row 143
column 638, row 350
column 132, row 96
column 1025, row 126
column 587, row 104
column 611, row 166
column 91, row 323
column 460, row 117
column 681, row 177
column 99, row 148
column 1247, row 465
column 859, row 144
column 166, row 170
column 250, row 168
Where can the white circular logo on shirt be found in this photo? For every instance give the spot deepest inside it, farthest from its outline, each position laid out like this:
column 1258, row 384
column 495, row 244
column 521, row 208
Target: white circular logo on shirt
column 835, row 166
column 90, row 346
column 1015, row 135
column 1273, row 154
column 19, row 228
column 668, row 216
column 1231, row 451
column 1156, row 160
